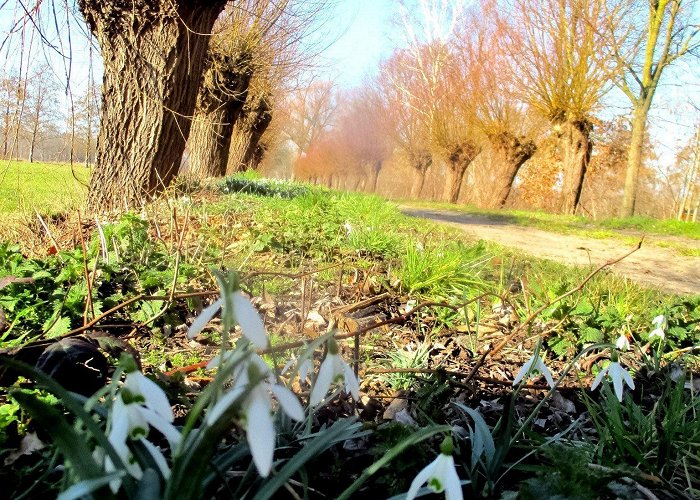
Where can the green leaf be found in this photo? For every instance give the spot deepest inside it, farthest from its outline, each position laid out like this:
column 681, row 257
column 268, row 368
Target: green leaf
column 87, row 486
column 591, row 335
column 72, row 403
column 58, row 328
column 482, row 440
column 72, row 445
column 149, row 486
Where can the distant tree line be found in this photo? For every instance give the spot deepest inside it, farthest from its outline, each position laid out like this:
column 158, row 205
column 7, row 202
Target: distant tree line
column 496, row 103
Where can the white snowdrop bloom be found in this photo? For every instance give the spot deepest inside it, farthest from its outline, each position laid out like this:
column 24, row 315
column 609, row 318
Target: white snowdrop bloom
column 139, row 405
column 619, row 377
column 332, row 370
column 622, row 343
column 249, row 320
column 659, row 322
column 245, row 314
column 534, row 364
column 440, row 475
column 256, row 409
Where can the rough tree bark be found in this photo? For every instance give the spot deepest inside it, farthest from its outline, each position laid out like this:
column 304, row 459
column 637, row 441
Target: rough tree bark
column 220, row 101
column 576, row 146
column 246, row 151
column 153, row 54
column 510, row 153
column 420, row 162
column 458, row 160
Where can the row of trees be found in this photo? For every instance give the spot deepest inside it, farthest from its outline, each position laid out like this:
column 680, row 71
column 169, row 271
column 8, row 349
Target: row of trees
column 34, row 127
column 504, row 79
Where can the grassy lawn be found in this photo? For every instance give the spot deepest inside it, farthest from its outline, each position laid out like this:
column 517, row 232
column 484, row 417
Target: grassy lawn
column 48, row 187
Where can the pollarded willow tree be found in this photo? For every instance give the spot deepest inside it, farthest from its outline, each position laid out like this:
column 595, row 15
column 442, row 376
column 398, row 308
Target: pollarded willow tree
column 563, row 73
column 153, row 55
column 438, row 95
column 220, row 102
column 486, row 68
column 655, row 34
column 255, row 48
column 406, row 111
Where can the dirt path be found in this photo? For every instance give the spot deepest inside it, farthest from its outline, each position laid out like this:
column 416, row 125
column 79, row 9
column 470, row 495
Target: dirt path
column 662, row 268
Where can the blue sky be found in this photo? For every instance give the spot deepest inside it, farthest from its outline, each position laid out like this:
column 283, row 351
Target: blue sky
column 363, row 29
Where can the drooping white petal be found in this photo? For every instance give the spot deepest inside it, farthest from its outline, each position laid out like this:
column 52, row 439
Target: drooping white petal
column 249, row 320
column 351, row 383
column 323, row 380
column 158, row 458
column 288, row 402
column 223, row 404
column 616, row 379
column 260, row 430
column 152, row 393
column 622, row 343
column 204, row 318
column 545, row 372
column 598, row 379
column 305, row 367
column 421, row 478
column 163, row 426
column 453, row 486
column 658, row 321
column 657, row 332
column 119, row 425
column 524, row 370
column 628, row 378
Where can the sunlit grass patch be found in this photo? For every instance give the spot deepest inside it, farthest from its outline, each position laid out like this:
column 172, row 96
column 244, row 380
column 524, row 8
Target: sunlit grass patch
column 49, row 188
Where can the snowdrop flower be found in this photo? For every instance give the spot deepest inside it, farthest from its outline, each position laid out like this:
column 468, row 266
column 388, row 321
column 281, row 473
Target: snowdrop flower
column 244, row 312
column 659, row 323
column 534, row 364
column 619, row 377
column 304, row 367
column 139, row 405
column 332, row 370
column 348, row 228
column 622, row 343
column 256, row 409
column 440, row 475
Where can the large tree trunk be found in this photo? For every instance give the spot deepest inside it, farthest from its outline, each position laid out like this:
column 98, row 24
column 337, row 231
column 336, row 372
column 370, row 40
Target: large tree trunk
column 458, row 160
column 635, row 158
column 576, row 147
column 509, row 154
column 420, row 162
column 153, row 54
column 220, row 102
column 374, row 170
column 246, row 151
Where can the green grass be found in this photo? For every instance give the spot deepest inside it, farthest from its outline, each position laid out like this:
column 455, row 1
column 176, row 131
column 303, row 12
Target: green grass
column 49, row 188
column 574, row 224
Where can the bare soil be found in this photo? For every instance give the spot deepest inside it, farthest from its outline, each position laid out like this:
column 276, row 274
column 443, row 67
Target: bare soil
column 652, row 265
